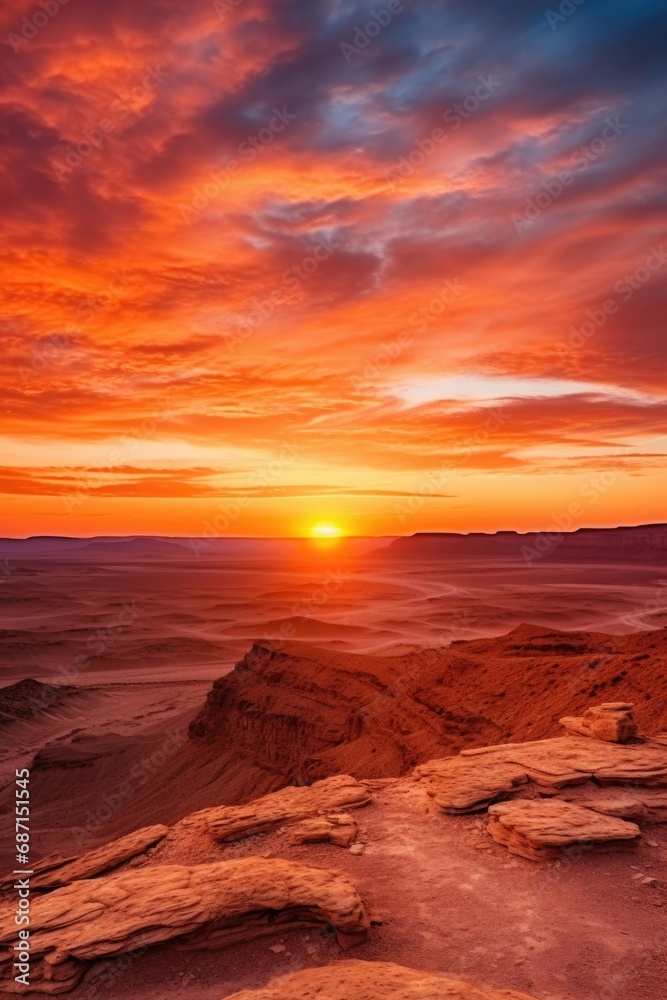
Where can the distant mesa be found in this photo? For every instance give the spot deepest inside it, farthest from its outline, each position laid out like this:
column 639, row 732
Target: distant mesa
column 643, row 543
column 640, row 543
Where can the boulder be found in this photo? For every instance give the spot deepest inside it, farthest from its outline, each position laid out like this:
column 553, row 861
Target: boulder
column 541, row 829
column 289, row 805
column 204, row 906
column 372, row 981
column 612, row 722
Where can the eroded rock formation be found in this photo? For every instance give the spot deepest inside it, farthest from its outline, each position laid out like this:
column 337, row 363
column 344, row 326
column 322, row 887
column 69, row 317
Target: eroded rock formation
column 289, row 805
column 558, row 788
column 612, row 722
column 372, row 981
column 475, row 778
column 295, row 712
column 54, row 872
column 206, row 906
column 539, row 829
column 334, row 828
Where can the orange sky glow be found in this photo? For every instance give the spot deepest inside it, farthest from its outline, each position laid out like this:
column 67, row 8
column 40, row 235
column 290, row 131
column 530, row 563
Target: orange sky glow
column 253, row 283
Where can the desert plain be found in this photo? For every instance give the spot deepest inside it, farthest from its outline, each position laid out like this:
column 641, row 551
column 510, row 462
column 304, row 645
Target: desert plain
column 153, row 686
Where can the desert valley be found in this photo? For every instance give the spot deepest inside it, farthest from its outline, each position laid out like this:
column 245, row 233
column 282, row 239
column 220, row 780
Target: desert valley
column 342, row 759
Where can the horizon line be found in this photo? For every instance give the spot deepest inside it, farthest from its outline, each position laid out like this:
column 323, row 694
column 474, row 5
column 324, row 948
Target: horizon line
column 310, row 538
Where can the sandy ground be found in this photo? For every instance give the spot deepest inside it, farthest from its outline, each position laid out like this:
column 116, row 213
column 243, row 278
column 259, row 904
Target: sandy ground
column 141, row 643
column 91, row 622
column 452, row 900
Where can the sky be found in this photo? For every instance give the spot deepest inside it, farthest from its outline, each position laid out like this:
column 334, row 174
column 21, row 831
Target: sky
column 396, row 266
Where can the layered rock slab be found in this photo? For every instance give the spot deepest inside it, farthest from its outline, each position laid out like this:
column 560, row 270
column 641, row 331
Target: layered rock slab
column 372, row 981
column 633, row 802
column 54, row 872
column 477, row 777
column 336, row 828
column 205, row 906
column 540, row 829
column 289, row 805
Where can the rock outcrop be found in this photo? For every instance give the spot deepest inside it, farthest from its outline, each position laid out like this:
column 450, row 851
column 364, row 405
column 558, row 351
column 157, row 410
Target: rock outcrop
column 559, row 789
column 335, row 828
column 475, row 778
column 636, row 543
column 632, row 802
column 54, row 872
column 206, row 906
column 372, row 981
column 289, row 805
column 612, row 722
column 28, row 698
column 296, row 713
column 540, row 829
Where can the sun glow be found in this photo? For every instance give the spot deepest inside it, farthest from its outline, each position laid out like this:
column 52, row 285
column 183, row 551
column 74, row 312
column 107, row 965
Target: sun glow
column 325, row 529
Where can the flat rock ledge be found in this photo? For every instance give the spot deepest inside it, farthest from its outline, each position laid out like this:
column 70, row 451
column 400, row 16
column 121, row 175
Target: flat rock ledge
column 372, row 981
column 289, row 805
column 563, row 784
column 205, row 906
column 540, row 829
column 475, row 778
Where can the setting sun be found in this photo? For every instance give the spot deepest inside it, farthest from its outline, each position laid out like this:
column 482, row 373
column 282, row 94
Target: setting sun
column 325, row 529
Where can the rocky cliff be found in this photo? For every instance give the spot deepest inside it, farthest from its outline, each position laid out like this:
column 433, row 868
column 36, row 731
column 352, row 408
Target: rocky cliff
column 303, row 712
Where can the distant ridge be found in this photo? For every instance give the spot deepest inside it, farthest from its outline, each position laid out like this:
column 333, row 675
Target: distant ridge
column 638, row 543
